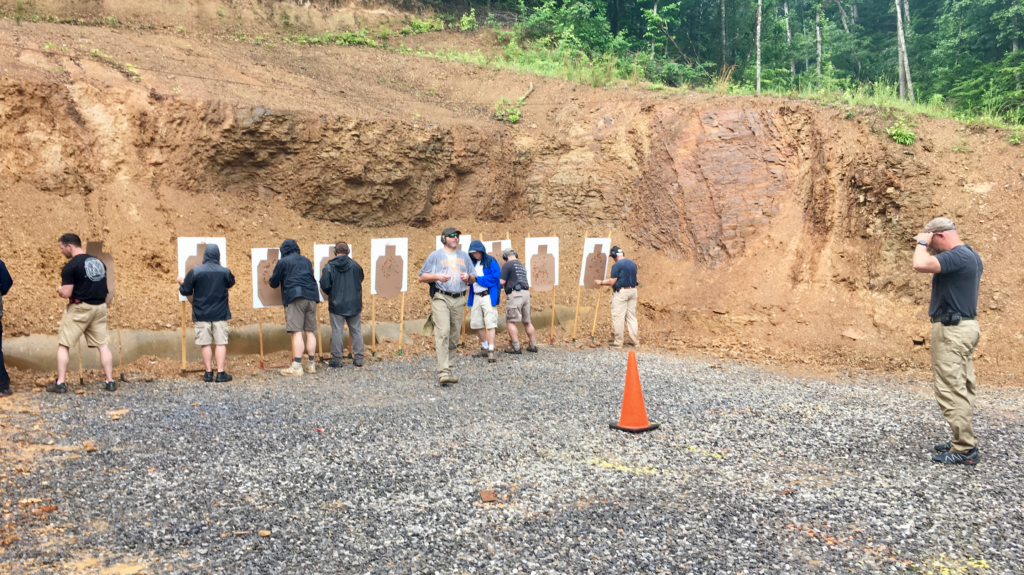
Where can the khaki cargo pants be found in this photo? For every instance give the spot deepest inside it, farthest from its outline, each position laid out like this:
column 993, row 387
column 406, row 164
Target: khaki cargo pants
column 446, row 312
column 624, row 312
column 954, row 381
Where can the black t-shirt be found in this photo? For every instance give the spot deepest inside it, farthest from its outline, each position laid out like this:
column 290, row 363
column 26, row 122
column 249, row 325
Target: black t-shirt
column 955, row 288
column 89, row 276
column 514, row 272
column 624, row 272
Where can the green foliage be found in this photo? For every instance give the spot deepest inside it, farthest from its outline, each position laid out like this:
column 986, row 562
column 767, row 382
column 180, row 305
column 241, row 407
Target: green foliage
column 901, row 133
column 1014, row 139
column 507, row 111
column 423, row 26
column 962, row 146
column 468, row 21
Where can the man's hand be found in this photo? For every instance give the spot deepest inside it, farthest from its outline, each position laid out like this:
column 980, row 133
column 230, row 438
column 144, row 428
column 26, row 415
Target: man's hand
column 598, row 282
column 181, row 280
column 464, row 276
column 444, row 278
column 925, row 237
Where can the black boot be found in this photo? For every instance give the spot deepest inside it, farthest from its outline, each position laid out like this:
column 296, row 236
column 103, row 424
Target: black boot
column 223, row 377
column 208, row 376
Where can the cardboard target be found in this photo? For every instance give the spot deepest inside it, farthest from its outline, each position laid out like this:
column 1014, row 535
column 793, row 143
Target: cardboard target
column 263, row 262
column 323, row 253
column 464, row 241
column 190, row 255
column 389, row 266
column 95, row 249
column 595, row 261
column 495, row 248
column 542, row 263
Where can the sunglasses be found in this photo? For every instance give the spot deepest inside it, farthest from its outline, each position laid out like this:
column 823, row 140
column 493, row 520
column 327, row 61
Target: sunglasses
column 452, row 236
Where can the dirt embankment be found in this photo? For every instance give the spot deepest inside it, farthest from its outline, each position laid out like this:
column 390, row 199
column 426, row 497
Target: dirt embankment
column 764, row 229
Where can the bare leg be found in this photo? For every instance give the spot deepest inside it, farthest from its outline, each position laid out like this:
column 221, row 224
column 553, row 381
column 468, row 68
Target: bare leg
column 531, row 333
column 222, row 354
column 513, row 332
column 296, row 344
column 310, row 343
column 481, row 334
column 207, row 357
column 107, row 361
column 63, row 358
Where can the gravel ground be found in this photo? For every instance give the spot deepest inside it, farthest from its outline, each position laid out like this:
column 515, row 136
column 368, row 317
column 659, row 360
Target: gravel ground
column 379, row 471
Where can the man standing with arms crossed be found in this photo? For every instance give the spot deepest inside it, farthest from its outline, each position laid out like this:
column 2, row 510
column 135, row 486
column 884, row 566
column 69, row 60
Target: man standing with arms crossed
column 448, row 271
column 342, row 281
column 956, row 278
column 516, row 281
column 84, row 285
column 294, row 275
column 208, row 284
column 5, row 285
column 624, row 297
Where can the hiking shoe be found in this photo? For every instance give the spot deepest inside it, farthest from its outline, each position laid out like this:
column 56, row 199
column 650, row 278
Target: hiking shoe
column 208, row 376
column 294, row 370
column 6, row 392
column 482, row 353
column 223, row 377
column 446, row 380
column 110, row 386
column 532, row 348
column 972, row 457
column 513, row 351
column 943, row 447
column 309, row 366
column 57, row 387
column 335, row 363
column 614, row 345
column 357, row 362
column 490, row 356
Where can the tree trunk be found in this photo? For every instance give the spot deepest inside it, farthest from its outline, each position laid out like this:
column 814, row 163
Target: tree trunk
column 842, row 14
column 854, row 16
column 789, row 36
column 906, row 11
column 758, row 47
column 722, row 4
column 1017, row 73
column 902, row 51
column 817, row 35
column 652, row 35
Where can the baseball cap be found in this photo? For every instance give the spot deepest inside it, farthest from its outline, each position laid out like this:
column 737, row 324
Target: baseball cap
column 509, row 252
column 449, row 231
column 616, row 251
column 939, row 225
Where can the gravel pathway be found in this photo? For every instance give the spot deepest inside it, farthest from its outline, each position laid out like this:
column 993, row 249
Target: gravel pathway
column 379, row 471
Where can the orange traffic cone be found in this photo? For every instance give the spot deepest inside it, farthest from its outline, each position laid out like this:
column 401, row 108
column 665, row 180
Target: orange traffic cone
column 634, row 415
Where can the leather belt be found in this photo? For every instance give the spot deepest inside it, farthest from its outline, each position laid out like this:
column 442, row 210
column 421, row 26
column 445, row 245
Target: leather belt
column 625, row 287
column 451, row 294
column 938, row 318
column 485, row 292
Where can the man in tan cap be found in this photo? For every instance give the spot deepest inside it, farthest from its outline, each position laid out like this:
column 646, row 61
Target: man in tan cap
column 956, row 270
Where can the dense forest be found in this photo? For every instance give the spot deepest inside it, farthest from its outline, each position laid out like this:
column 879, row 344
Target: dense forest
column 963, row 54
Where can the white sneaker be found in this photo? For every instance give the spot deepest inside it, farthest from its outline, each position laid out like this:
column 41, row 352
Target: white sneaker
column 295, row 370
column 309, row 366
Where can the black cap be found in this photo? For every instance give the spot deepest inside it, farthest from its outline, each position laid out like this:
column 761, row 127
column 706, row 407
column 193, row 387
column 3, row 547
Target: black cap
column 616, row 251
column 448, row 231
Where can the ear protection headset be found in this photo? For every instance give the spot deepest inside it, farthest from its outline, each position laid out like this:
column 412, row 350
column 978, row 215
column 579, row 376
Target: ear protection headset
column 504, row 256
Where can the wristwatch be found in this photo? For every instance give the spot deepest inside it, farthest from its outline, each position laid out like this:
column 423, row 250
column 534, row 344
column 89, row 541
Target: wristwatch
column 920, row 243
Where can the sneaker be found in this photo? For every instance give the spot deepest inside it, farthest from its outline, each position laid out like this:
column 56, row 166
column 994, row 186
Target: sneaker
column 57, row 387
column 335, row 363
column 972, row 457
column 6, row 392
column 614, row 345
column 514, row 351
column 482, row 353
column 357, row 362
column 110, row 386
column 223, row 377
column 309, row 366
column 208, row 376
column 490, row 356
column 532, row 348
column 294, row 370
column 943, row 447
column 446, row 380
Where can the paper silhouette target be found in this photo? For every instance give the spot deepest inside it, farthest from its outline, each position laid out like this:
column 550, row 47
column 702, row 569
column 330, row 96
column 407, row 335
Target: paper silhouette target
column 595, row 261
column 95, row 249
column 190, row 255
column 323, row 253
column 495, row 248
column 389, row 266
column 263, row 262
column 464, row 241
column 542, row 263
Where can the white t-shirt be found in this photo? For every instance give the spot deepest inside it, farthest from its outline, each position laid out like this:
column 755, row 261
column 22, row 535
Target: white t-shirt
column 479, row 272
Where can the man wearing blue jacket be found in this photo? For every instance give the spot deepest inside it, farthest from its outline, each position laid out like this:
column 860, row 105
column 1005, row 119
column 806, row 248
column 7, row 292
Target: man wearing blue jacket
column 5, row 285
column 483, row 298
column 208, row 284
column 299, row 294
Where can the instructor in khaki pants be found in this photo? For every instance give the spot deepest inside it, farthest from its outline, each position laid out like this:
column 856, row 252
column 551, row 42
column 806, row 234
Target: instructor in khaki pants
column 956, row 270
column 449, row 273
column 624, row 297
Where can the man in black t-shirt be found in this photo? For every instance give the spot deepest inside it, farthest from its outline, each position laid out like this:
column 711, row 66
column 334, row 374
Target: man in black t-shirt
column 624, row 297
column 955, row 333
column 5, row 285
column 84, row 285
column 516, row 282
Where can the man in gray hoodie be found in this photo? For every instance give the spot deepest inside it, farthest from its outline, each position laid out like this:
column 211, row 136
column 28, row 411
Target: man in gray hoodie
column 5, row 285
column 294, row 275
column 342, row 281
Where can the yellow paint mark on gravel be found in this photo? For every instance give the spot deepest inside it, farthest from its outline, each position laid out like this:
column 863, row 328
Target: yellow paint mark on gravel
column 622, row 468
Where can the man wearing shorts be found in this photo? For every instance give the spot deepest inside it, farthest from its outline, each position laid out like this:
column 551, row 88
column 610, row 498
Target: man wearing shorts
column 483, row 298
column 84, row 285
column 516, row 281
column 448, row 271
column 5, row 285
column 294, row 274
column 208, row 284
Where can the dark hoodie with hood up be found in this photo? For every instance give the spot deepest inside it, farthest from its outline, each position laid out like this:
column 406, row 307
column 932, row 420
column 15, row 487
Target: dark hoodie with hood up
column 294, row 274
column 342, row 281
column 208, row 284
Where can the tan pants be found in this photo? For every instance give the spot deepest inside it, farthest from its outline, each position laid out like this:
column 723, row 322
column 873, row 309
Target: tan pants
column 624, row 311
column 954, row 381
column 446, row 312
column 83, row 319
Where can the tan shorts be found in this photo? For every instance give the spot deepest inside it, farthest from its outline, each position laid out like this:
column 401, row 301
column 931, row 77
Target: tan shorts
column 83, row 319
column 300, row 315
column 483, row 314
column 517, row 306
column 211, row 332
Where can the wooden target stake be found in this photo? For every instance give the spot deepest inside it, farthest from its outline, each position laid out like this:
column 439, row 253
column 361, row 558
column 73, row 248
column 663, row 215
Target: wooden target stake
column 579, row 291
column 373, row 322
column 259, row 318
column 401, row 324
column 552, row 340
column 120, row 357
column 597, row 302
column 319, row 337
column 183, row 365
column 81, row 372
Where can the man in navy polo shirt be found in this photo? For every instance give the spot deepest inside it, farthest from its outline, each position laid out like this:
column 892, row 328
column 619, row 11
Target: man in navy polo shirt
column 623, row 282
